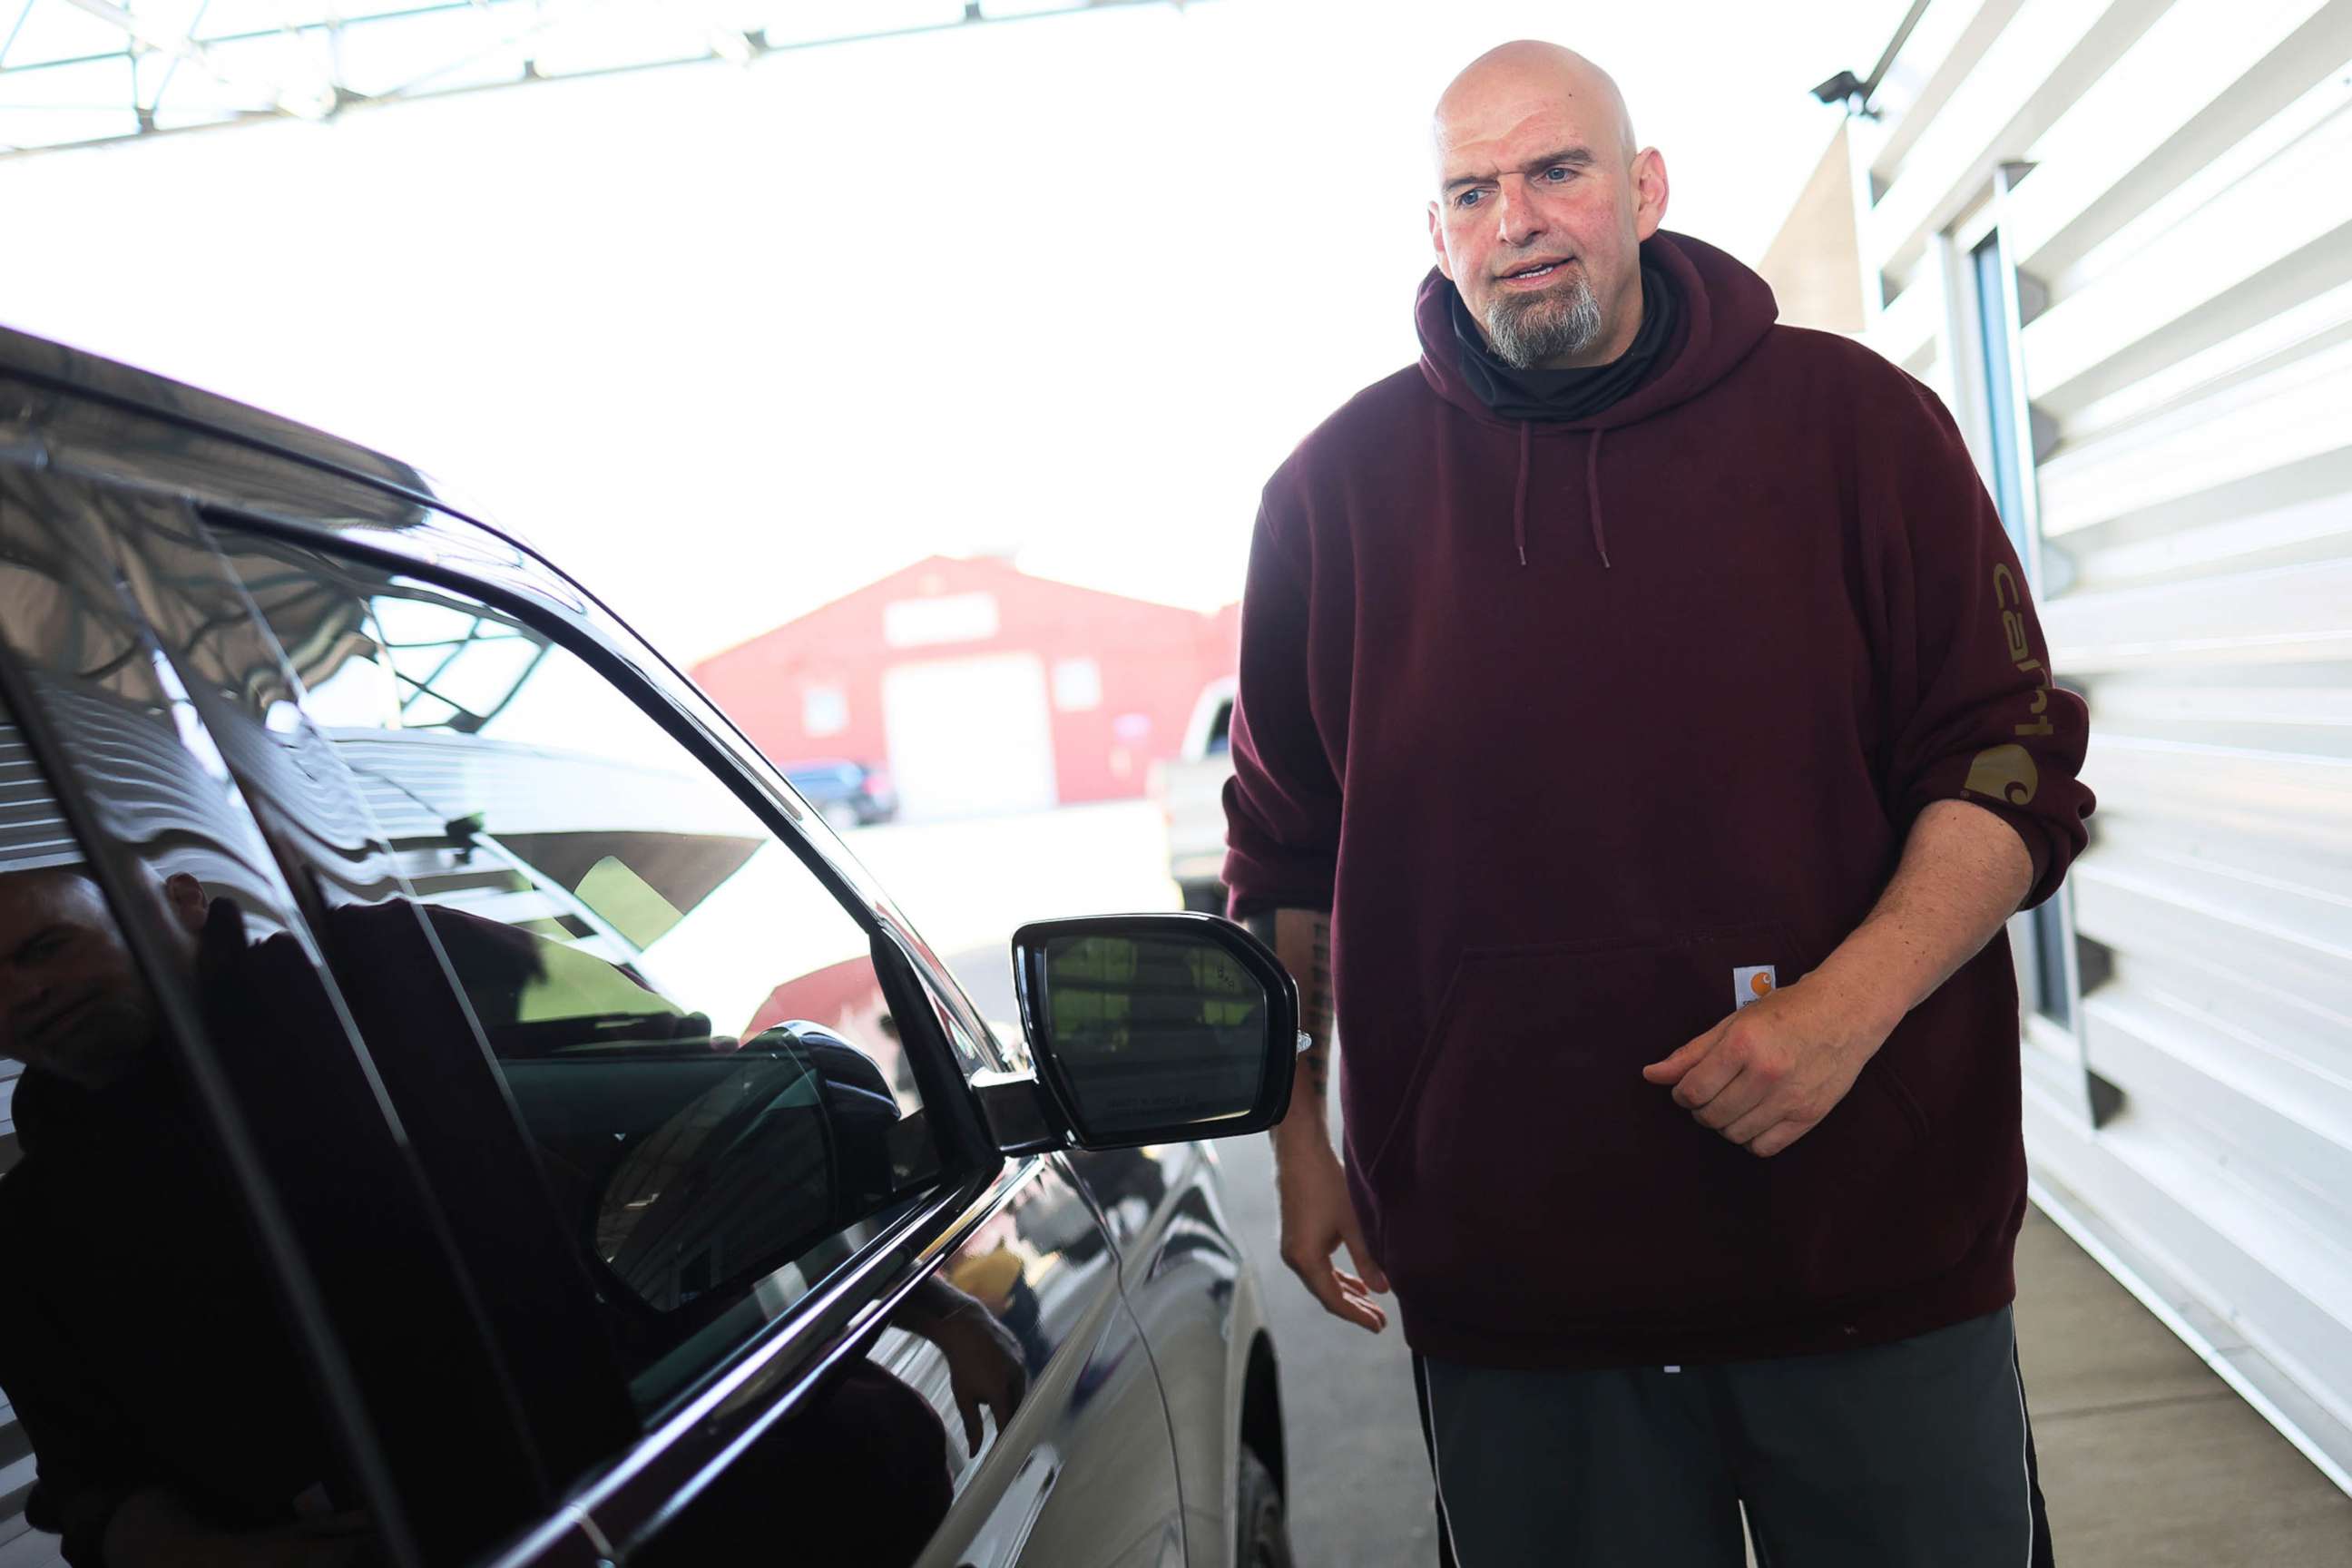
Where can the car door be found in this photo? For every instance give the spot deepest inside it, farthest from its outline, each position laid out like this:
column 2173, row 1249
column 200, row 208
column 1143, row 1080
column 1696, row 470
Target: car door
column 829, row 1310
column 232, row 1300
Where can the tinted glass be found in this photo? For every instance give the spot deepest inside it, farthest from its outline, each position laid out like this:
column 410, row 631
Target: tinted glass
column 1153, row 1032
column 163, row 1306
column 689, row 1026
column 119, row 1193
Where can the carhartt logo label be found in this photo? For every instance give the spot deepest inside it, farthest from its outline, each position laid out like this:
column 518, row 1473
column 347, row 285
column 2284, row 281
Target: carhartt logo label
column 2003, row 772
column 2012, row 603
column 1752, row 982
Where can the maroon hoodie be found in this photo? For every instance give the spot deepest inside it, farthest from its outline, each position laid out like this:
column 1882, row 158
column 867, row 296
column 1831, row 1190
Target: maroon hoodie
column 1566, row 724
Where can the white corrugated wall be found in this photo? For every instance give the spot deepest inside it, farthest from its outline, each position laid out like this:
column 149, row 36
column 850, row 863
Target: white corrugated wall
column 2169, row 186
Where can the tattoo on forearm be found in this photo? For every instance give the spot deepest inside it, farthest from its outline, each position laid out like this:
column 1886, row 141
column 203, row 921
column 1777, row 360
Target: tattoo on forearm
column 1321, row 1011
column 1304, row 948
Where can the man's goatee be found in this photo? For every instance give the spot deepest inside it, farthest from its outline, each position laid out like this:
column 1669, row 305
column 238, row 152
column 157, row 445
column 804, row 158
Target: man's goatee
column 1525, row 332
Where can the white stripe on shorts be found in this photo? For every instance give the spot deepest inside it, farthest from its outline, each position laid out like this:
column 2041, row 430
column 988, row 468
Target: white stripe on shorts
column 1444, row 1514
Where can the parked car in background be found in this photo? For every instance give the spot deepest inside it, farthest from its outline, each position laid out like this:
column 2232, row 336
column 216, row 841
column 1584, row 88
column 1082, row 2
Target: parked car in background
column 552, row 1147
column 846, row 794
column 1192, row 790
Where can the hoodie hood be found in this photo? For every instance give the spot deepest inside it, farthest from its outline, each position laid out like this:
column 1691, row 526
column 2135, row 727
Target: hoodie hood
column 1727, row 309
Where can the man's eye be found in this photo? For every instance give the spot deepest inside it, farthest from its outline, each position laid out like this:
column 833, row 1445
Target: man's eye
column 1468, row 198
column 1560, row 173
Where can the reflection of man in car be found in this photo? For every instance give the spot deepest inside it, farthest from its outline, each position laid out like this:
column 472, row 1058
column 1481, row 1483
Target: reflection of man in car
column 71, row 1001
column 140, row 1341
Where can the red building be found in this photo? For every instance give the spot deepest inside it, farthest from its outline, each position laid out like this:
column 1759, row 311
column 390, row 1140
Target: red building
column 978, row 688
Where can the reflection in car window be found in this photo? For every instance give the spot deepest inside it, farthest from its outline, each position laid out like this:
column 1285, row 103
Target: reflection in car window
column 198, row 1425
column 690, row 1026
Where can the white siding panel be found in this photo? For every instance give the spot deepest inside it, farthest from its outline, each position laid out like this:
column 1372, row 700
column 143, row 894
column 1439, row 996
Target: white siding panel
column 2178, row 205
column 2179, row 289
column 2306, row 798
column 2195, row 82
column 2182, row 918
column 1907, row 329
column 2301, row 410
column 2222, row 1237
column 2245, row 617
column 2276, row 340
column 2202, row 1123
column 2051, row 51
column 2308, row 532
column 2091, row 1184
column 2235, row 716
column 2203, row 1068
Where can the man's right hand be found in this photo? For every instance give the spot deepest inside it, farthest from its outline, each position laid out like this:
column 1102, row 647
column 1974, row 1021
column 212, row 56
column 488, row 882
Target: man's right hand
column 1317, row 1218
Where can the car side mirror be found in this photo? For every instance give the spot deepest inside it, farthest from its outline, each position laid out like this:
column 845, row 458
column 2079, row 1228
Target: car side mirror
column 1156, row 1028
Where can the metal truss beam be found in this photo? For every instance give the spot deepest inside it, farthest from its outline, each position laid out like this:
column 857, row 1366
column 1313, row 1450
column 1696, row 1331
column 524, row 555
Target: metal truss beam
column 328, row 96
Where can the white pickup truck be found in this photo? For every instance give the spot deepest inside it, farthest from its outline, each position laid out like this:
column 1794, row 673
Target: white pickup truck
column 1191, row 792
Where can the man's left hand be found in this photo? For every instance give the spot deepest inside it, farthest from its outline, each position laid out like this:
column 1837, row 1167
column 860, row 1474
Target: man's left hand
column 1767, row 1075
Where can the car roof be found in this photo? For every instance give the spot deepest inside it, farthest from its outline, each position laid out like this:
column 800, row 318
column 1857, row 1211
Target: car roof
column 95, row 378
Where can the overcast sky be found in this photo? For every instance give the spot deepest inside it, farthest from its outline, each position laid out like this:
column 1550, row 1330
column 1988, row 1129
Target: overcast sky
column 729, row 342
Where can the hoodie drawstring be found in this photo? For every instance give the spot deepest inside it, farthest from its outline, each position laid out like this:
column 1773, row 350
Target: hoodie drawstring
column 1592, row 495
column 1519, row 498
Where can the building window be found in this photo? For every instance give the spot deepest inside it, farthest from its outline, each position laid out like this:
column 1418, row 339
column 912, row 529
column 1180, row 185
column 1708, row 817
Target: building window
column 2004, row 422
column 824, row 711
column 2001, row 411
column 1077, row 684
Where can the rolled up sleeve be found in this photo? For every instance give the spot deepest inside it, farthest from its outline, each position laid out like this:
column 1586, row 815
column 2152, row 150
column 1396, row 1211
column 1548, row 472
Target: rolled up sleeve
column 1974, row 709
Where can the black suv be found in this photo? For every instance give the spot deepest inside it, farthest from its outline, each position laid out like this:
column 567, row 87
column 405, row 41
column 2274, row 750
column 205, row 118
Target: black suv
column 476, row 1112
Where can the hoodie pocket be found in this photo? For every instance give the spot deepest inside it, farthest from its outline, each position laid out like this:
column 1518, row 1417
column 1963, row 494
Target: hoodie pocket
column 1534, row 1178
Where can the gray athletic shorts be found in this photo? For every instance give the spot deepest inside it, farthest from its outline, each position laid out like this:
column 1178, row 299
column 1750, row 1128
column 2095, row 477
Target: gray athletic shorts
column 1912, row 1455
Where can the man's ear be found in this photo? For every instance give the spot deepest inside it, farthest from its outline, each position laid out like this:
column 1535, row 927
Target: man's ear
column 1437, row 243
column 1649, row 192
column 184, row 896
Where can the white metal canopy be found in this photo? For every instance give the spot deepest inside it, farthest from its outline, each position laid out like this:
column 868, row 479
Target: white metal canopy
column 81, row 73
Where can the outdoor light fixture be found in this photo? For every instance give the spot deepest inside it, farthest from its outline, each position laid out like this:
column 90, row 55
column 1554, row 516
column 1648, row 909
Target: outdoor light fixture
column 1856, row 92
column 1843, row 87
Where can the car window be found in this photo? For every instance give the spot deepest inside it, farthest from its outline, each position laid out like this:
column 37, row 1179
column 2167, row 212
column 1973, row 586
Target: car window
column 221, row 1293
column 690, row 1026
column 121, row 1188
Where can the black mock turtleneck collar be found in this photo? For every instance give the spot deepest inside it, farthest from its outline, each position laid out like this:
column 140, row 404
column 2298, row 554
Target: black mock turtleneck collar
column 1556, row 395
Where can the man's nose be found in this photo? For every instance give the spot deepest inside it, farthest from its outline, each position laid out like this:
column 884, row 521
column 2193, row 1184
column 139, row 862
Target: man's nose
column 1516, row 219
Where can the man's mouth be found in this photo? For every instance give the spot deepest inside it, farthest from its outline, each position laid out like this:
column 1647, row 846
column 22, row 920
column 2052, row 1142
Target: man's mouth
column 1536, row 271
column 59, row 1019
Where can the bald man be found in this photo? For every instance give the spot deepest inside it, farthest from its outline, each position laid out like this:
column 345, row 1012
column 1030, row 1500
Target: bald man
column 1643, row 731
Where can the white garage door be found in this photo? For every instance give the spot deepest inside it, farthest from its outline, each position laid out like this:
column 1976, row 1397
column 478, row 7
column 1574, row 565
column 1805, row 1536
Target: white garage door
column 969, row 737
